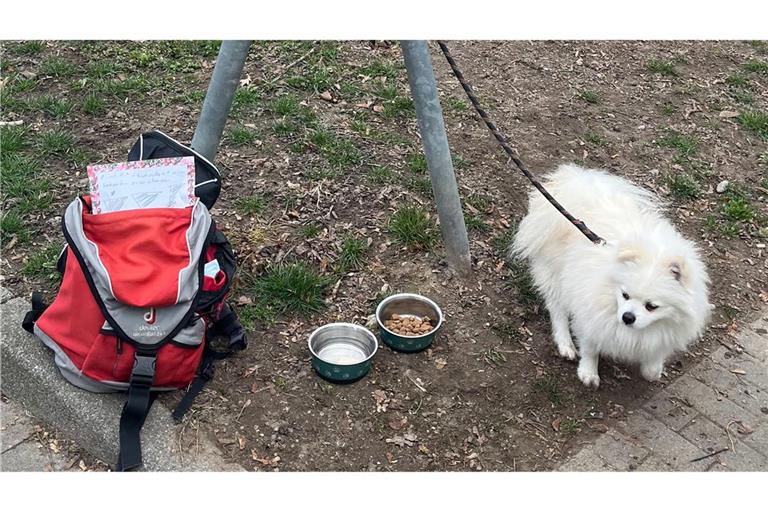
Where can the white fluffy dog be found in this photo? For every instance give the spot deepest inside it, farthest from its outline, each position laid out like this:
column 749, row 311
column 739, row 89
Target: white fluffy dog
column 637, row 299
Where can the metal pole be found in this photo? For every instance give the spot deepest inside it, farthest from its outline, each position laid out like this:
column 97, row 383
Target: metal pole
column 421, row 78
column 218, row 99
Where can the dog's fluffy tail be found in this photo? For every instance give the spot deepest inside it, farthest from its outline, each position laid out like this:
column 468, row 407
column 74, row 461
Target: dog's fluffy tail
column 588, row 194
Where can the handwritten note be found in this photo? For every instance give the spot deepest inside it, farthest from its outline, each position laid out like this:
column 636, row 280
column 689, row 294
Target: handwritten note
column 161, row 183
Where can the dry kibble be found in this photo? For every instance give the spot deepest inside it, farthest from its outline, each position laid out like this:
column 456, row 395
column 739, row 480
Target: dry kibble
column 409, row 326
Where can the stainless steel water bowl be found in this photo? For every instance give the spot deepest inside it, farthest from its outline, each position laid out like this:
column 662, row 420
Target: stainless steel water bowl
column 342, row 352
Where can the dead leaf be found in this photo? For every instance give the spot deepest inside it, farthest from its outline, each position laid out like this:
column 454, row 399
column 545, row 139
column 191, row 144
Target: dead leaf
column 326, row 95
column 400, row 441
column 244, row 301
column 396, row 424
column 556, row 424
column 82, row 466
column 728, row 114
column 244, row 82
column 378, row 108
column 249, row 371
column 241, row 442
column 440, row 363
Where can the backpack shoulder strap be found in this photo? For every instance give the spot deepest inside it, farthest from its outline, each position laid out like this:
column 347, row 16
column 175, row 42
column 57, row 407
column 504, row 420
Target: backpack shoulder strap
column 226, row 324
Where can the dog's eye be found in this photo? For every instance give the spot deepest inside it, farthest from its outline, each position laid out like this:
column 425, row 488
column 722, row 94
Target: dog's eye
column 650, row 306
column 625, row 295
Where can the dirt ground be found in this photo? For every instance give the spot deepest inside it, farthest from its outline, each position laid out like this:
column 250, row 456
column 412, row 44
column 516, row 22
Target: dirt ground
column 491, row 393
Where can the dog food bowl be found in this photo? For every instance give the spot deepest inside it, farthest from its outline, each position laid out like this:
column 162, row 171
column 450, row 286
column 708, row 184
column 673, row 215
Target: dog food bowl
column 408, row 305
column 342, row 352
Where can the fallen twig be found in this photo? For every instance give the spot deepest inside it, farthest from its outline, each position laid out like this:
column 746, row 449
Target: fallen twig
column 289, row 66
column 721, row 450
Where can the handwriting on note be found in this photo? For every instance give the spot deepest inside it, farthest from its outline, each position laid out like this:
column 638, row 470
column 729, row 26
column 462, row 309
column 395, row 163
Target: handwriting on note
column 160, row 183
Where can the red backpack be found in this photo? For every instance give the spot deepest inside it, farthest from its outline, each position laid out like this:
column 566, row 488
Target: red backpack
column 141, row 299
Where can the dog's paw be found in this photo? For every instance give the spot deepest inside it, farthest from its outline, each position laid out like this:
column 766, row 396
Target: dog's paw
column 652, row 372
column 588, row 378
column 567, row 351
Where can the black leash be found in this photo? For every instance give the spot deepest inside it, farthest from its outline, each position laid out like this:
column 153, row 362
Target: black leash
column 505, row 145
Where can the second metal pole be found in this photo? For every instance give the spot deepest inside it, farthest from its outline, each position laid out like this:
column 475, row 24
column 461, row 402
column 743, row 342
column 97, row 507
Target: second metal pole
column 218, row 99
column 421, row 78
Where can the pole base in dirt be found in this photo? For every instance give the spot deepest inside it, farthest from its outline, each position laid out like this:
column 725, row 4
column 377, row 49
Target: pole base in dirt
column 421, row 78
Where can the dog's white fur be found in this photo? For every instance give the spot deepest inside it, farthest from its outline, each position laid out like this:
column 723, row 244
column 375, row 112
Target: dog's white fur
column 585, row 285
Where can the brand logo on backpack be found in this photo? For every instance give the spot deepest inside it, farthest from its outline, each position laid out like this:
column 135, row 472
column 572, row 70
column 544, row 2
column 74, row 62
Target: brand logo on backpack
column 150, row 316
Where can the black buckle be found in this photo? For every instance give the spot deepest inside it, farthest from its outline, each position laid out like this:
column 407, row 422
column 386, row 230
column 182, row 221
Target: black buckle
column 143, row 373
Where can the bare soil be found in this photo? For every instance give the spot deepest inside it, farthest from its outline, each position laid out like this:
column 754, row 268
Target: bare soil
column 491, row 393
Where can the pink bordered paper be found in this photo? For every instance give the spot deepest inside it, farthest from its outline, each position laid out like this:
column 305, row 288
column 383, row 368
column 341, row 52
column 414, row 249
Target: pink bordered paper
column 160, row 183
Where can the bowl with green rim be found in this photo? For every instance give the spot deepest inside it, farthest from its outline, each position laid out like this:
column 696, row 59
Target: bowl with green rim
column 342, row 352
column 408, row 305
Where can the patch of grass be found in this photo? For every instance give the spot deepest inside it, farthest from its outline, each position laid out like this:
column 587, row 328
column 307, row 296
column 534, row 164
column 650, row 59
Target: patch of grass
column 725, row 228
column 338, row 152
column 417, row 162
column 459, row 162
column 590, row 96
column 551, row 388
column 594, row 139
column 102, row 69
column 522, row 281
column 55, row 142
column 380, row 175
column 241, row 135
column 94, row 105
column 57, row 108
column 310, row 230
column 737, row 80
column 421, row 186
column 351, row 255
column 253, row 314
column 478, row 202
column 42, row 263
column 244, row 97
column 742, row 96
column 285, row 105
column 413, row 227
column 755, row 121
column 399, row 107
column 12, row 224
column 476, row 223
column 380, row 68
column 57, row 66
column 457, row 105
column 21, row 179
column 12, row 140
column 285, row 129
column 384, row 90
column 756, row 66
column 17, row 84
column 570, row 426
column 662, row 67
column 503, row 241
column 292, row 288
column 683, row 186
column 685, row 145
column 79, row 157
column 27, row 48
column 738, row 209
column 251, row 205
column 136, row 85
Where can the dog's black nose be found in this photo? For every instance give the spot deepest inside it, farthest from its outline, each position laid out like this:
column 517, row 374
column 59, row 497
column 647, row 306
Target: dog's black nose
column 628, row 318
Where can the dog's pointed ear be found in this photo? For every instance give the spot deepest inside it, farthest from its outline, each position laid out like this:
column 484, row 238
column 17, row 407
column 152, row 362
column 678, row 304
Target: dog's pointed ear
column 679, row 270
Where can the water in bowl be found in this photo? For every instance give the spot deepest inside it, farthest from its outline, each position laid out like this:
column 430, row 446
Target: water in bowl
column 341, row 352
